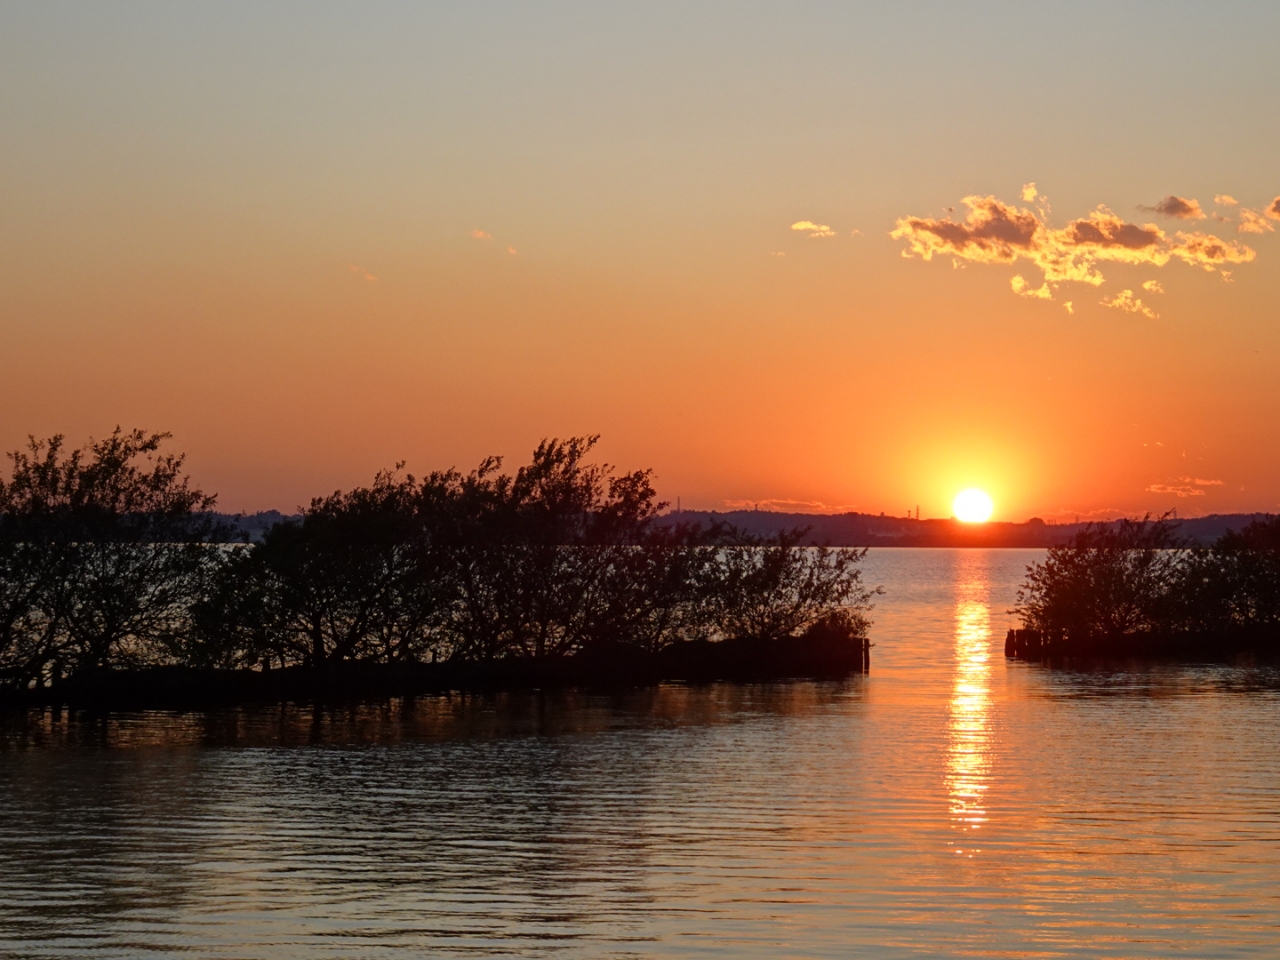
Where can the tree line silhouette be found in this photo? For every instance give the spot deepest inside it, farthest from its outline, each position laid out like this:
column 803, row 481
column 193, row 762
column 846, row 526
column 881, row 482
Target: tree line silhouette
column 112, row 560
column 1135, row 587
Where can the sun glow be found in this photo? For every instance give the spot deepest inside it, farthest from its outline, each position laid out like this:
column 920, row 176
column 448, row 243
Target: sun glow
column 972, row 506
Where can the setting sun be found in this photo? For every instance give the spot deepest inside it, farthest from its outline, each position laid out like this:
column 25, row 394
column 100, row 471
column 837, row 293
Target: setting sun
column 972, row 506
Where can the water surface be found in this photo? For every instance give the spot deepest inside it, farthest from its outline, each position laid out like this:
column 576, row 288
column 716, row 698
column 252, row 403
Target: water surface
column 948, row 804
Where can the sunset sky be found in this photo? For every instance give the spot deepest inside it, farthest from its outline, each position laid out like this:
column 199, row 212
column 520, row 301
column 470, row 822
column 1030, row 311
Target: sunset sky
column 815, row 256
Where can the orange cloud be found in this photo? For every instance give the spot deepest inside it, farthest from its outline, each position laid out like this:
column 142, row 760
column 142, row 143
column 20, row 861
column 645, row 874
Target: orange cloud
column 1177, row 207
column 1180, row 490
column 513, row 251
column 481, row 235
column 992, row 232
column 362, row 272
column 1253, row 222
column 1152, row 286
column 1273, row 209
column 1029, row 192
column 1206, row 250
column 1103, row 236
column 1126, row 301
column 813, row 229
column 996, row 232
column 1225, row 200
column 1024, row 289
column 1184, row 487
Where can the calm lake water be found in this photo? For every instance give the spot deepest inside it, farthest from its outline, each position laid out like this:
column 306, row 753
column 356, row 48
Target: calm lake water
column 949, row 804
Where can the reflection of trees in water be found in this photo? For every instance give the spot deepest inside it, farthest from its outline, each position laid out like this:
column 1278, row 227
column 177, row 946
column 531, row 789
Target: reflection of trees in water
column 442, row 819
column 1156, row 680
column 421, row 719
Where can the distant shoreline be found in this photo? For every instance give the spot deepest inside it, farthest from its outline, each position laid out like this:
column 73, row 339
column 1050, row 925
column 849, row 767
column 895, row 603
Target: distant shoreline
column 871, row 530
column 605, row 667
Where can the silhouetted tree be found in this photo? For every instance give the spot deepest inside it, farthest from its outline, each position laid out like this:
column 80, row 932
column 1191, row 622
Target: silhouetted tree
column 110, row 558
column 1110, row 580
column 108, row 545
column 658, row 590
column 29, row 639
column 538, row 554
column 1235, row 584
column 773, row 587
column 353, row 579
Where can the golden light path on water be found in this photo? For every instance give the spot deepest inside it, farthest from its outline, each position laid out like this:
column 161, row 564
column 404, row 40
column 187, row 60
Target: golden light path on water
column 969, row 715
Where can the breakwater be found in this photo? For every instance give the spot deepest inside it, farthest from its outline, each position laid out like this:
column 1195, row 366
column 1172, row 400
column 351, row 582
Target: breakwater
column 1036, row 647
column 600, row 667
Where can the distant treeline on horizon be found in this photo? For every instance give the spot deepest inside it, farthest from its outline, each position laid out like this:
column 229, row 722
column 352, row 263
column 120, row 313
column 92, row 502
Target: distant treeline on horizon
column 872, row 530
column 867, row 529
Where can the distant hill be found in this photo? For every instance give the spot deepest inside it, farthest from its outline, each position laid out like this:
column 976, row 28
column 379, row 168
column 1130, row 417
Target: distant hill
column 865, row 529
column 252, row 526
column 869, row 530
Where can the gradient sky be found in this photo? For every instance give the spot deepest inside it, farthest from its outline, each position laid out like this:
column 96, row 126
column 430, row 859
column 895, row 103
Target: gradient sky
column 312, row 239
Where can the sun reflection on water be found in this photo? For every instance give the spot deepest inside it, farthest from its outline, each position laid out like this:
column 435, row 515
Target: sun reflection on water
column 969, row 721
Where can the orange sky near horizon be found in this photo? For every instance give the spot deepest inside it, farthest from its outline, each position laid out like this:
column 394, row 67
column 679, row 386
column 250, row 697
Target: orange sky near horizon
column 312, row 241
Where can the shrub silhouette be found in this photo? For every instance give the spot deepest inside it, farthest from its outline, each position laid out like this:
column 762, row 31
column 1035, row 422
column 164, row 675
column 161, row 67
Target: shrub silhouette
column 1235, row 585
column 110, row 558
column 1110, row 580
column 102, row 553
column 1131, row 579
column 769, row 588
